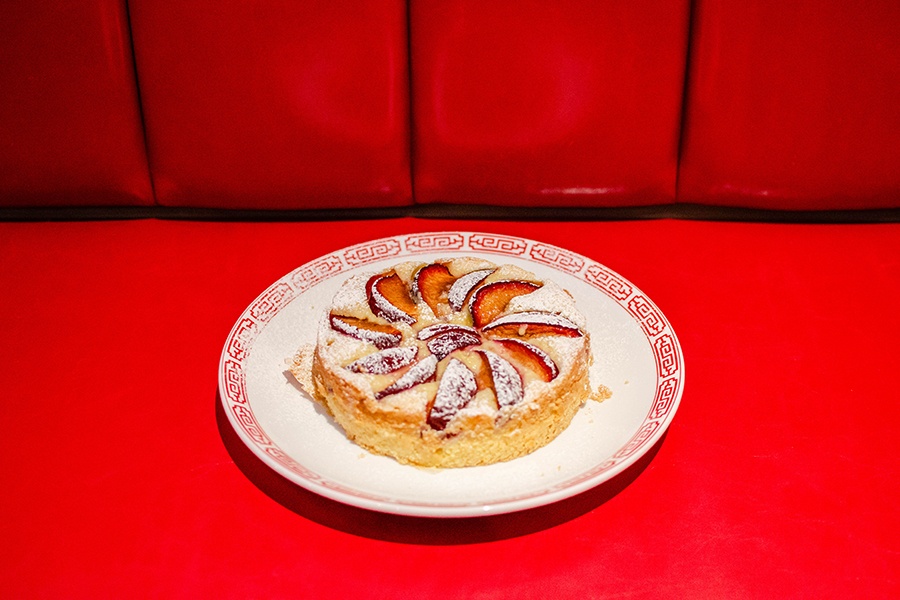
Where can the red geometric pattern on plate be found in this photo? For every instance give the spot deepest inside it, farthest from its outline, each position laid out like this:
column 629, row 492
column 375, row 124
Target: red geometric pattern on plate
column 316, row 271
column 279, row 455
column 649, row 318
column 666, row 356
column 234, row 382
column 248, row 423
column 643, row 434
column 665, row 397
column 434, row 241
column 608, row 464
column 241, row 340
column 268, row 306
column 498, row 244
column 371, row 251
column 557, row 257
column 608, row 282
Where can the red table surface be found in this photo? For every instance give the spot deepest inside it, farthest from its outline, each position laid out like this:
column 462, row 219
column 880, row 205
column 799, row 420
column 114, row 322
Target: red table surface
column 121, row 478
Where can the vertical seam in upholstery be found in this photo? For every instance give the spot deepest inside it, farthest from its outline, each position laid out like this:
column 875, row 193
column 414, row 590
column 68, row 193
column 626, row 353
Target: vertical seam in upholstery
column 140, row 102
column 411, row 109
column 685, row 95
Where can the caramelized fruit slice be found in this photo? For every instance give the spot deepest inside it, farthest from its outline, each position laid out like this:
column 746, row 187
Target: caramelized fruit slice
column 444, row 338
column 456, row 389
column 491, row 300
column 420, row 372
column 528, row 324
column 383, row 336
column 460, row 289
column 432, row 284
column 386, row 361
column 530, row 357
column 478, row 364
column 389, row 298
column 445, row 343
column 439, row 328
column 506, row 381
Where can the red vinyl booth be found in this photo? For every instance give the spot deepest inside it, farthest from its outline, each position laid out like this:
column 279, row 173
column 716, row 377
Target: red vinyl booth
column 162, row 164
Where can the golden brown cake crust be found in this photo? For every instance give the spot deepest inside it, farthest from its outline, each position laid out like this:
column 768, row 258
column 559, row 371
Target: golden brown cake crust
column 506, row 380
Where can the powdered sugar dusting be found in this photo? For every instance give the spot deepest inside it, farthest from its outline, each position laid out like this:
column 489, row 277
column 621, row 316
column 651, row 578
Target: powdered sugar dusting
column 442, row 345
column 384, row 308
column 532, row 354
column 351, row 297
column 462, row 286
column 551, row 298
column 420, row 372
column 439, row 328
column 456, row 389
column 381, row 339
column 562, row 350
column 507, row 382
column 386, row 361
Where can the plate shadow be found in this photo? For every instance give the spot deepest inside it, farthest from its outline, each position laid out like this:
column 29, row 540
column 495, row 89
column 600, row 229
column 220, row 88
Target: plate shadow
column 418, row 530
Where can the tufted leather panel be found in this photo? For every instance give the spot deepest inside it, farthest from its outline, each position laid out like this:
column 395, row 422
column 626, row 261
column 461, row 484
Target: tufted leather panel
column 793, row 105
column 70, row 126
column 275, row 105
column 535, row 103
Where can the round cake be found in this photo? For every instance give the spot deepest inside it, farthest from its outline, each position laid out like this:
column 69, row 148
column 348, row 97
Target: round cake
column 458, row 362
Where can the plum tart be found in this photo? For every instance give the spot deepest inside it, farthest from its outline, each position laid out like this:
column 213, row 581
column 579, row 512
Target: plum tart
column 458, row 362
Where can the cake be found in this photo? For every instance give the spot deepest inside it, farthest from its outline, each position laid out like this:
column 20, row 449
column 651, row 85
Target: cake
column 453, row 363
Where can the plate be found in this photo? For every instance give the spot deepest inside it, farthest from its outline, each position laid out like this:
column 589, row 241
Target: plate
column 637, row 356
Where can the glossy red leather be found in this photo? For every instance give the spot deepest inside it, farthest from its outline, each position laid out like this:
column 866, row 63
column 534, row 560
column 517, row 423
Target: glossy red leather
column 793, row 105
column 777, row 479
column 275, row 105
column 536, row 103
column 70, row 126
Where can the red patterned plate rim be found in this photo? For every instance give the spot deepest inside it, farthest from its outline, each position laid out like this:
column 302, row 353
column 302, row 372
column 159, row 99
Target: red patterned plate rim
column 254, row 413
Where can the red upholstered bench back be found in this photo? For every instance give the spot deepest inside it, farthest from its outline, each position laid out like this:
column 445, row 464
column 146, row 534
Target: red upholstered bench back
column 275, row 105
column 70, row 121
column 793, row 105
column 567, row 103
column 518, row 103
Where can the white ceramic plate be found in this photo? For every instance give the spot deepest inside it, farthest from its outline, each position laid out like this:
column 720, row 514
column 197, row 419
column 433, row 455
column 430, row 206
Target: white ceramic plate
column 636, row 353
